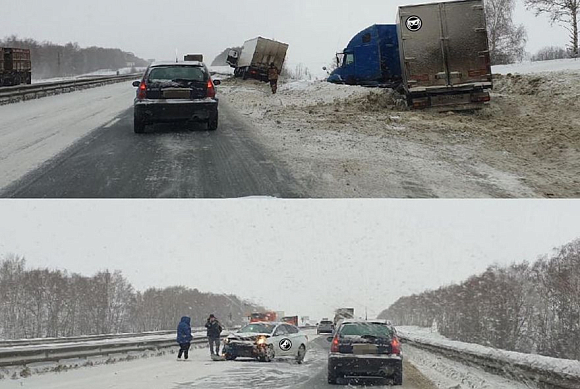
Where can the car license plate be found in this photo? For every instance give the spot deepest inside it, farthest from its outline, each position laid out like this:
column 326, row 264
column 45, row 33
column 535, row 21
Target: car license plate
column 361, row 349
column 176, row 93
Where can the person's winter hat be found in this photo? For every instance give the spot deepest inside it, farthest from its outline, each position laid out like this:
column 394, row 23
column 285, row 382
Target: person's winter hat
column 212, row 316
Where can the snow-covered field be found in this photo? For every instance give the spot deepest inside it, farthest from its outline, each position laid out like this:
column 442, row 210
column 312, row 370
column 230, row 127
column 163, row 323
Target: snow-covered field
column 557, row 65
column 34, row 131
column 355, row 142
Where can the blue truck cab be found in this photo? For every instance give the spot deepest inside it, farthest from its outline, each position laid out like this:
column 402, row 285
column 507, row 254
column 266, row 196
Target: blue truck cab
column 371, row 58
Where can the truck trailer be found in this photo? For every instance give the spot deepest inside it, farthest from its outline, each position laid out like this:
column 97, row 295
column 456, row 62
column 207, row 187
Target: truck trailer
column 254, row 60
column 15, row 66
column 442, row 49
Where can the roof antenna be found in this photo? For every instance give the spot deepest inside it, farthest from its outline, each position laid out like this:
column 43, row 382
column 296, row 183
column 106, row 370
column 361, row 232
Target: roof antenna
column 176, row 56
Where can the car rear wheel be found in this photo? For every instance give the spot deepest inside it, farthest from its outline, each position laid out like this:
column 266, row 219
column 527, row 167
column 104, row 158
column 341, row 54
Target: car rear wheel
column 332, row 377
column 138, row 125
column 398, row 377
column 301, row 354
column 230, row 357
column 213, row 122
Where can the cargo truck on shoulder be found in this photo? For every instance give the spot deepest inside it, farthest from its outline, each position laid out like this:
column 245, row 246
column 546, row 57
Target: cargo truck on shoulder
column 254, row 60
column 442, row 51
column 15, row 66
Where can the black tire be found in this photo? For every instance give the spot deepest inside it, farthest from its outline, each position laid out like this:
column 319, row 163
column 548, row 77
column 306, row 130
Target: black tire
column 332, row 378
column 245, row 74
column 301, row 354
column 213, row 122
column 398, row 376
column 270, row 354
column 230, row 357
column 138, row 125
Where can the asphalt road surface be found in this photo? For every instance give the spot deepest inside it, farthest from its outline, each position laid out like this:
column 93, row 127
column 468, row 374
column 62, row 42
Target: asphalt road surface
column 288, row 374
column 169, row 161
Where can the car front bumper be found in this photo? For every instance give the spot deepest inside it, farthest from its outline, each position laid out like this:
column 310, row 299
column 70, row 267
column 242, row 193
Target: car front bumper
column 244, row 350
column 156, row 111
column 364, row 365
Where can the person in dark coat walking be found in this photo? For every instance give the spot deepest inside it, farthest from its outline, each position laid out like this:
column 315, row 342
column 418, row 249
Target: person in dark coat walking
column 184, row 337
column 273, row 75
column 214, row 331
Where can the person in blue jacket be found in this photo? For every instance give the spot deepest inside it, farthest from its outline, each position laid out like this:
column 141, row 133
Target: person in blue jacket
column 184, row 337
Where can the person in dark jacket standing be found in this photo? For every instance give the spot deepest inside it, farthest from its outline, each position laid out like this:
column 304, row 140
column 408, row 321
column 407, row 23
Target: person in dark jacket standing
column 184, row 337
column 214, row 330
column 273, row 75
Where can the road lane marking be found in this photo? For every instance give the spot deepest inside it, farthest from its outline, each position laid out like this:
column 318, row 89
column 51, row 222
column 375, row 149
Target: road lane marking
column 112, row 123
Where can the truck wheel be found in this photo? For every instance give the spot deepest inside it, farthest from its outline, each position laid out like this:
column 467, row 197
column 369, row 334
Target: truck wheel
column 213, row 122
column 245, row 74
column 138, row 125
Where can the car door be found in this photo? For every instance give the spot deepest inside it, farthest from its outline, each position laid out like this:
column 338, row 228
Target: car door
column 282, row 342
column 297, row 338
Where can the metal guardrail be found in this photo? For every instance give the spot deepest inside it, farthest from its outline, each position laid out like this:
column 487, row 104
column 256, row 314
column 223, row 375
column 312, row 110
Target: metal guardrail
column 543, row 377
column 23, row 357
column 75, row 339
column 19, row 93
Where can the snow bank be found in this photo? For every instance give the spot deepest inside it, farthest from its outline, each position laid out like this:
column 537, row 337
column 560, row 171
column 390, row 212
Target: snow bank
column 559, row 366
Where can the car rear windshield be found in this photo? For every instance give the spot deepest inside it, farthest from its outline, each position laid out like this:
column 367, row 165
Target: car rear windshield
column 177, row 73
column 362, row 329
column 258, row 329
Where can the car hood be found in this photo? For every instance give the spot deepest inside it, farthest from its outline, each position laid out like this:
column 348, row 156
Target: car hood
column 247, row 336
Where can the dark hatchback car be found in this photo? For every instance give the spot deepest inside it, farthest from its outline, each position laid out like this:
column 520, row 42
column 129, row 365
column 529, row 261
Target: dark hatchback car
column 176, row 92
column 365, row 349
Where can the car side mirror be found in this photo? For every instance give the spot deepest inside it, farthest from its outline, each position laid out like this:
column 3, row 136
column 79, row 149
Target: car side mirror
column 217, row 82
column 136, row 84
column 330, row 338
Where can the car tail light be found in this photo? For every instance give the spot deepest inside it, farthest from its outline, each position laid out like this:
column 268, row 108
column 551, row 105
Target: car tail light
column 142, row 91
column 210, row 89
column 395, row 347
column 334, row 346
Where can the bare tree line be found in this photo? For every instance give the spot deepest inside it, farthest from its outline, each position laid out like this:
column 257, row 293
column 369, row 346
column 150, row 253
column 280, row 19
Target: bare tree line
column 37, row 303
column 52, row 60
column 531, row 308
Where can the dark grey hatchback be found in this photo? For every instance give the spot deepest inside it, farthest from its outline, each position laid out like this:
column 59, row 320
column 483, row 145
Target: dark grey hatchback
column 176, row 92
column 365, row 349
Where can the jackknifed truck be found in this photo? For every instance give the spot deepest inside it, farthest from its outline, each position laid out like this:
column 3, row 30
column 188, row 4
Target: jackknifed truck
column 254, row 60
column 437, row 56
column 15, row 66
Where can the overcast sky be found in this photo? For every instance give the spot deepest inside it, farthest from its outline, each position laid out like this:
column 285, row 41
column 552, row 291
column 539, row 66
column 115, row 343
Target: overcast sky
column 301, row 257
column 315, row 29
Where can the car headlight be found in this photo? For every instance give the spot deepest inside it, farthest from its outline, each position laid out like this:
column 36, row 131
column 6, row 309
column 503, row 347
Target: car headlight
column 261, row 340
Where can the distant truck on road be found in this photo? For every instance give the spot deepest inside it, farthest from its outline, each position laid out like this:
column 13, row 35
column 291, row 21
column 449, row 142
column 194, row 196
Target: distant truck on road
column 437, row 55
column 15, row 66
column 193, row 58
column 255, row 58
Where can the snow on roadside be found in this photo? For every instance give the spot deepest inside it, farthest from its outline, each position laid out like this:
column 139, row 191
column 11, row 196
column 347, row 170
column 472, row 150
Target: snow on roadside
column 426, row 336
column 449, row 374
column 557, row 65
column 98, row 73
column 34, row 131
